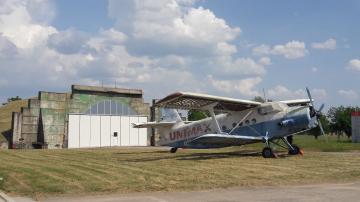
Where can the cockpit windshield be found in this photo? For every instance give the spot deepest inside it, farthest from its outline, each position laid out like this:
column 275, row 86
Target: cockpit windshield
column 273, row 107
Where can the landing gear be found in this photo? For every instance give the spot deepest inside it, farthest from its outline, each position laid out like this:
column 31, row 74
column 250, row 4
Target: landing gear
column 267, row 152
column 173, row 150
column 295, row 150
column 292, row 148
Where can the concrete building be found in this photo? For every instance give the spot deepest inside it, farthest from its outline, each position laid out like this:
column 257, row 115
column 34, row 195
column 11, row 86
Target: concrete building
column 355, row 125
column 87, row 117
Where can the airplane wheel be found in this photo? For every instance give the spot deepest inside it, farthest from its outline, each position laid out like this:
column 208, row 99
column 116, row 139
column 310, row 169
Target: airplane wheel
column 173, row 150
column 268, row 153
column 294, row 151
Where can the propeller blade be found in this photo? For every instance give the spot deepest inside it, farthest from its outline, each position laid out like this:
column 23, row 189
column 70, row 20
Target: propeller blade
column 321, row 107
column 322, row 130
column 309, row 95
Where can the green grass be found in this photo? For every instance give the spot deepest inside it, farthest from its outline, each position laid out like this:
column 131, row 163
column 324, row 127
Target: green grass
column 6, row 115
column 40, row 173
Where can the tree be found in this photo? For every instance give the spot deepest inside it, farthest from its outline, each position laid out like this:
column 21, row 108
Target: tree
column 11, row 99
column 340, row 119
column 195, row 115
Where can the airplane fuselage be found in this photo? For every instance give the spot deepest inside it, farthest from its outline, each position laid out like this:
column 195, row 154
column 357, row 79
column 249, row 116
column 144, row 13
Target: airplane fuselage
column 270, row 118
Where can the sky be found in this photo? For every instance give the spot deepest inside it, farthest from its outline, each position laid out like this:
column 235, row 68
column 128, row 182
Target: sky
column 227, row 48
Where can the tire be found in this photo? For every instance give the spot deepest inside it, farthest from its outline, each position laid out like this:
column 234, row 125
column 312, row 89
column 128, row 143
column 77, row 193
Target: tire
column 173, row 150
column 294, row 151
column 267, row 152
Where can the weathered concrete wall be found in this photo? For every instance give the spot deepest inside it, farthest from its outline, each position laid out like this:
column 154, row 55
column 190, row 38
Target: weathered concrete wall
column 53, row 112
column 45, row 120
column 16, row 124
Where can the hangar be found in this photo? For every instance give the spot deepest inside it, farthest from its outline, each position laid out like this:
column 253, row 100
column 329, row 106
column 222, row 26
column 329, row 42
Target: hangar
column 88, row 116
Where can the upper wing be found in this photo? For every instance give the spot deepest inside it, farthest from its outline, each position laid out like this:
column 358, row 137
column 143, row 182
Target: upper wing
column 224, row 139
column 186, row 100
column 296, row 102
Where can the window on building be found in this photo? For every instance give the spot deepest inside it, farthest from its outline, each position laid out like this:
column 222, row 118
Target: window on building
column 109, row 107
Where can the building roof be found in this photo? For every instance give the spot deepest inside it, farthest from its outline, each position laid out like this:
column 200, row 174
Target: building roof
column 98, row 89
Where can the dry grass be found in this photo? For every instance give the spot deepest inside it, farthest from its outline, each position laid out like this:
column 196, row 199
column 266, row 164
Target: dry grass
column 6, row 114
column 39, row 173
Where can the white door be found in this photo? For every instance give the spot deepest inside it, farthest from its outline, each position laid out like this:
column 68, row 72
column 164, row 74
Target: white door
column 124, row 131
column 115, row 131
column 73, row 131
column 104, row 131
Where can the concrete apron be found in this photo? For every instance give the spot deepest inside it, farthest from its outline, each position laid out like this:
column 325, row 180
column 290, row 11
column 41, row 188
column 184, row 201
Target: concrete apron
column 5, row 198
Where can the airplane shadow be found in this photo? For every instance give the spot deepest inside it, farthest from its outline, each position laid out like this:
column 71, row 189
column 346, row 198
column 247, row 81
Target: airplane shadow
column 202, row 156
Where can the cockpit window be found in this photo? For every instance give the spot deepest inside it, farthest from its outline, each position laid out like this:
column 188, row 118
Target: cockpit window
column 270, row 108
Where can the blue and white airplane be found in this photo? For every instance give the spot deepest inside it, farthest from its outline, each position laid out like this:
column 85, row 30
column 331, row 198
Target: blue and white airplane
column 238, row 122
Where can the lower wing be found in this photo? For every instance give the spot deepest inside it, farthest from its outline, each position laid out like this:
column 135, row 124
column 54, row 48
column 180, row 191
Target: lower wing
column 224, row 139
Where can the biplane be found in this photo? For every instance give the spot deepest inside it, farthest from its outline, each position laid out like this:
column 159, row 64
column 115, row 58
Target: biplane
column 233, row 122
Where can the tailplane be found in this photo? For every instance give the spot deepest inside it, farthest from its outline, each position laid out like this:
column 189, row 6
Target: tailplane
column 169, row 118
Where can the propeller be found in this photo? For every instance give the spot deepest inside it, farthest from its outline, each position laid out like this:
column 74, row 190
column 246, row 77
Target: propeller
column 316, row 113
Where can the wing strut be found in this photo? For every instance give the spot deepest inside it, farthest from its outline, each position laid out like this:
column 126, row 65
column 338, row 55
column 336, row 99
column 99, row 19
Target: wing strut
column 210, row 108
column 237, row 125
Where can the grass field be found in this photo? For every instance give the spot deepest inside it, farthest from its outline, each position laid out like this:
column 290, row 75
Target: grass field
column 39, row 173
column 6, row 115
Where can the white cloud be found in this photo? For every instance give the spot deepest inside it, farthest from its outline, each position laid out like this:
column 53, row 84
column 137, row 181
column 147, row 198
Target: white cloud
column 171, row 47
column 7, row 48
column 348, row 94
column 244, row 86
column 329, row 44
column 318, row 94
column 67, row 42
column 314, row 69
column 173, row 27
column 281, row 92
column 354, row 64
column 241, row 66
column 18, row 25
column 291, row 50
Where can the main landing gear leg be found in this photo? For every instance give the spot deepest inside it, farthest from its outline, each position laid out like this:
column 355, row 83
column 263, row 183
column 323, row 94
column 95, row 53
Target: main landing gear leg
column 292, row 148
column 268, row 152
column 173, row 150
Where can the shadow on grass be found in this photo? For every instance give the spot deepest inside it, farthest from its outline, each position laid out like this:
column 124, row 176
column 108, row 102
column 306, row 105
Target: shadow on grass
column 203, row 156
column 144, row 152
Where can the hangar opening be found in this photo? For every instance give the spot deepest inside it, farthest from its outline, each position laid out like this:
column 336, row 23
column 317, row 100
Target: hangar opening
column 89, row 116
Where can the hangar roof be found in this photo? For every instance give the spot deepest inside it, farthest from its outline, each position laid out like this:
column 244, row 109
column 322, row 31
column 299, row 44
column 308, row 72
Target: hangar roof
column 90, row 89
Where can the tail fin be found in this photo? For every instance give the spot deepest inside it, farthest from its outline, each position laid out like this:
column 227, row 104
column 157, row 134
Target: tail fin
column 168, row 115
